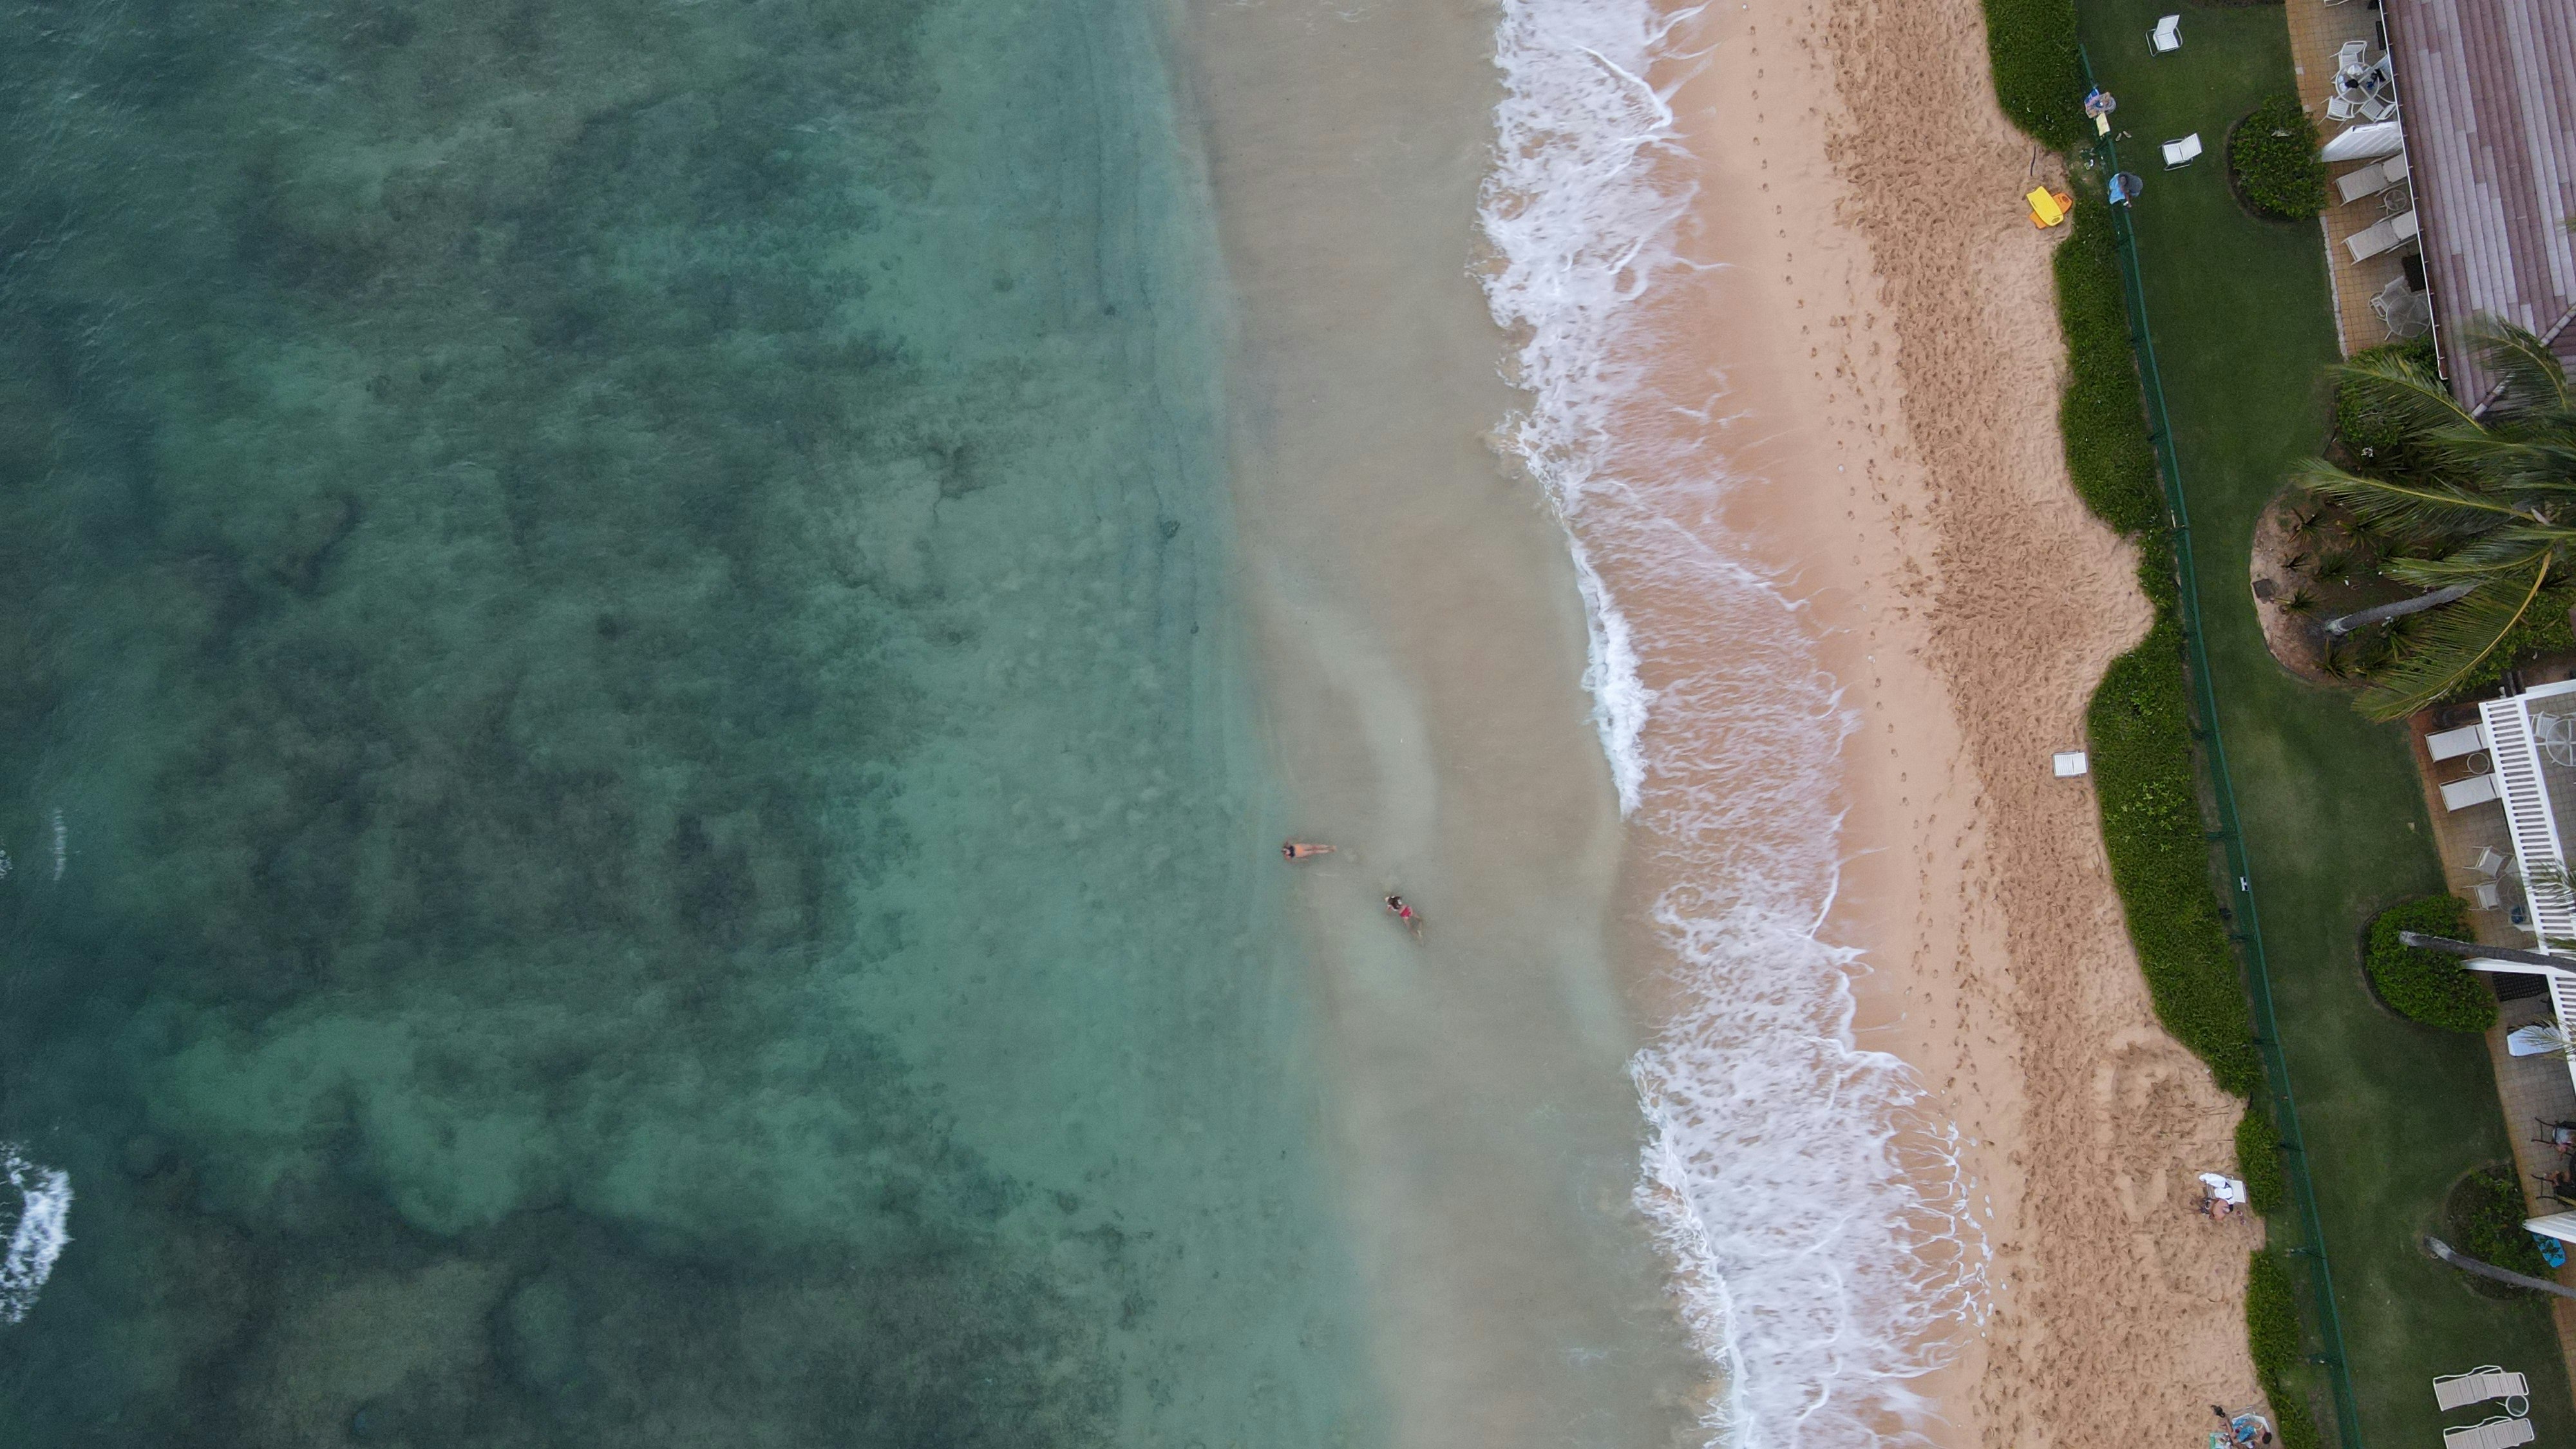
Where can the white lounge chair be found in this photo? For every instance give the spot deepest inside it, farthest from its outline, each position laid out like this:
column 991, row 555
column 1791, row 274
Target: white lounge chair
column 2166, row 38
column 2475, row 790
column 2468, row 739
column 2386, row 236
column 2500, row 1432
column 2372, row 179
column 2458, row 1391
column 2183, row 152
column 2339, row 109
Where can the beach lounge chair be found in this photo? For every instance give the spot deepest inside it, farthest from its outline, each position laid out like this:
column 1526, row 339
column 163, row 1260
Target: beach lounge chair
column 2475, row 790
column 2458, row 1391
column 2183, row 152
column 2500, row 1432
column 2166, row 38
column 2468, row 739
column 2372, row 179
column 2386, row 236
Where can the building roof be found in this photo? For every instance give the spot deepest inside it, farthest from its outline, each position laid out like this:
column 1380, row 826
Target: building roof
column 2487, row 91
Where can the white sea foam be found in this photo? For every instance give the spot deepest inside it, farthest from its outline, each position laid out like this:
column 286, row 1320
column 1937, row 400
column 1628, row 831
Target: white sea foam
column 1813, row 1206
column 44, row 1210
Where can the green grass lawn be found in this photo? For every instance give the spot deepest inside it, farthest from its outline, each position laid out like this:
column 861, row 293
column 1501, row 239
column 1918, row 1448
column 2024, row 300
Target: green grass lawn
column 2333, row 820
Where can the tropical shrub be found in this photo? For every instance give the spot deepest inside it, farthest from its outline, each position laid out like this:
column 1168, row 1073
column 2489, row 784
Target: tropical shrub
column 2272, row 1338
column 2273, row 155
column 2485, row 1218
column 2101, row 418
column 2258, row 1161
column 2368, row 432
column 2427, row 986
column 2039, row 74
column 2140, row 731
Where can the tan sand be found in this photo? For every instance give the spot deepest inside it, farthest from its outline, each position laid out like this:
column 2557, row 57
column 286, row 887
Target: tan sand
column 1887, row 328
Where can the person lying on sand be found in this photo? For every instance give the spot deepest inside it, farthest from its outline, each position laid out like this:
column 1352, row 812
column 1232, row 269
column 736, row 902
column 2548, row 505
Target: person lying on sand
column 1405, row 914
column 1299, row 850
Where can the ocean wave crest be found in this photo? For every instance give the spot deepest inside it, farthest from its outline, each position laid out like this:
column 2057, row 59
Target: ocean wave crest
column 1814, row 1207
column 44, row 1212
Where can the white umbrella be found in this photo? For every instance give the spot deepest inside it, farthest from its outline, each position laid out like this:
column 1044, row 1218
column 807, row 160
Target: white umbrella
column 2360, row 143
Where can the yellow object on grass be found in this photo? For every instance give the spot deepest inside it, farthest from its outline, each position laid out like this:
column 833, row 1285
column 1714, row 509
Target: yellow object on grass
column 2048, row 208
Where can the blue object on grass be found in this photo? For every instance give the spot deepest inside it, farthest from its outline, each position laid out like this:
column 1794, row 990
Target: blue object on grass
column 2552, row 1251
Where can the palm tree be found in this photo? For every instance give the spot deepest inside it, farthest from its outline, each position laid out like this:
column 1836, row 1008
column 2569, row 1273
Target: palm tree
column 2483, row 501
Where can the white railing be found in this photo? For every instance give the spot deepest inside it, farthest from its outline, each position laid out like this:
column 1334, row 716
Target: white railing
column 2529, row 817
column 2533, row 823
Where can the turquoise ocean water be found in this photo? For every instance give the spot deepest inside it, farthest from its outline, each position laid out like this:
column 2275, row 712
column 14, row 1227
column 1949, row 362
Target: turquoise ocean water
column 626, row 764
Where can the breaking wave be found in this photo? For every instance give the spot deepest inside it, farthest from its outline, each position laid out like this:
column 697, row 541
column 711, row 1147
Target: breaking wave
column 1812, row 1203
column 44, row 1209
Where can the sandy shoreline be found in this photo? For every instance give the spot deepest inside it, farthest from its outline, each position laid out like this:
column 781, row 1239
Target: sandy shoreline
column 1882, row 341
column 1887, row 333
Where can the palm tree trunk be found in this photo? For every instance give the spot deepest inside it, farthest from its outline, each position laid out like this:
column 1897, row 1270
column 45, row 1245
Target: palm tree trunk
column 2346, row 623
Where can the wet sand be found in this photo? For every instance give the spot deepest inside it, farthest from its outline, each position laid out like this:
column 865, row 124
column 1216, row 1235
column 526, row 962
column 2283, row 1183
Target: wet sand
column 1423, row 648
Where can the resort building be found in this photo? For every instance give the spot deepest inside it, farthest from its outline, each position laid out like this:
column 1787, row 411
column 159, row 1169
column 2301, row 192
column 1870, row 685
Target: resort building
column 2450, row 129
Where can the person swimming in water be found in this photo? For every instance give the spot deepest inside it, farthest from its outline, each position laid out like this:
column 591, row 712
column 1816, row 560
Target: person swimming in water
column 1299, row 850
column 1406, row 914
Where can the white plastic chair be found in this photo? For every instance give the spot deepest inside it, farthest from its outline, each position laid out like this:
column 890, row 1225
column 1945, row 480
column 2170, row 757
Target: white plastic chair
column 2489, row 860
column 2183, row 152
column 2166, row 38
column 2377, row 109
column 2350, row 55
column 2337, row 108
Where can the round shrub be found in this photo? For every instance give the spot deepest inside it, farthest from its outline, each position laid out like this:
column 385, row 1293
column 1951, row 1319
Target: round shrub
column 2273, row 155
column 2427, row 986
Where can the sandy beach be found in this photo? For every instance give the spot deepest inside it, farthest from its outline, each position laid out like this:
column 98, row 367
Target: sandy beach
column 1886, row 331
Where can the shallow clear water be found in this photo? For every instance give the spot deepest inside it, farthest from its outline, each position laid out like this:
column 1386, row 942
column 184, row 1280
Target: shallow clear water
column 631, row 802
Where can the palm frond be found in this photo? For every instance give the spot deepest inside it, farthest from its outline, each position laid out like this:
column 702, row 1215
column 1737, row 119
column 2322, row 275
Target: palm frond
column 2422, row 512
column 2454, row 642
column 2534, row 379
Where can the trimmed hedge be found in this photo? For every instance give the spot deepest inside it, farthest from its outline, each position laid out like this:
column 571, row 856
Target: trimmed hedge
column 2039, row 74
column 2102, row 418
column 2140, row 723
column 2427, row 986
column 2258, row 1162
column 2486, row 1214
column 2272, row 153
column 2272, row 1333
